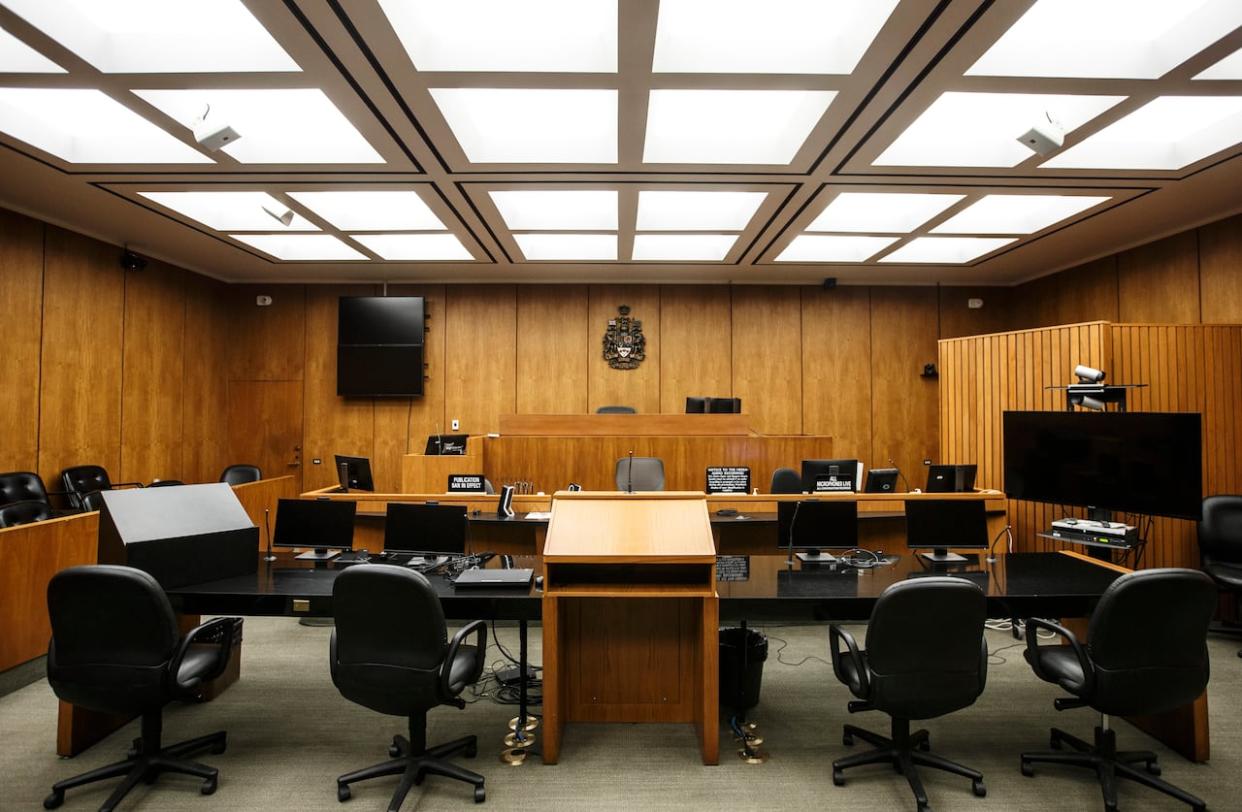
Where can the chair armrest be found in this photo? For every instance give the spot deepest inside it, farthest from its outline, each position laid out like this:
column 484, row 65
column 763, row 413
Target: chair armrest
column 220, row 632
column 1033, row 625
column 836, row 636
column 477, row 628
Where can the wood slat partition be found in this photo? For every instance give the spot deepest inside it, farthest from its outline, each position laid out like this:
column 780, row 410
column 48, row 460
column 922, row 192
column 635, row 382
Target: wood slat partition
column 1186, row 367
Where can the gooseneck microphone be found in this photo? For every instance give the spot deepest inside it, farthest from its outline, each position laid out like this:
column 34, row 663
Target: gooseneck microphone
column 900, row 474
column 629, row 476
column 267, row 524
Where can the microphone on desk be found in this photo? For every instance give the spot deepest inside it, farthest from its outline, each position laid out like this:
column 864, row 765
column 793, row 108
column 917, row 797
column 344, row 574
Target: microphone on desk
column 267, row 523
column 899, row 473
column 629, row 476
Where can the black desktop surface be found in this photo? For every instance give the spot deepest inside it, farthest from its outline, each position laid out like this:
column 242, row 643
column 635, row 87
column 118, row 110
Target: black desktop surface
column 1021, row 584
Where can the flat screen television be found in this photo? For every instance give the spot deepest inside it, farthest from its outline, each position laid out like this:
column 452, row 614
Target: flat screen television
column 380, row 346
column 1148, row 463
column 380, row 320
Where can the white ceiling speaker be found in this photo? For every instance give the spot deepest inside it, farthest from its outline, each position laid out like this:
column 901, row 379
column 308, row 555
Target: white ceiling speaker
column 1045, row 137
column 214, row 135
column 282, row 214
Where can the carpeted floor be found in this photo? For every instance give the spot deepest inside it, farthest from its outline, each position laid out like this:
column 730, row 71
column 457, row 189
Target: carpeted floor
column 291, row 734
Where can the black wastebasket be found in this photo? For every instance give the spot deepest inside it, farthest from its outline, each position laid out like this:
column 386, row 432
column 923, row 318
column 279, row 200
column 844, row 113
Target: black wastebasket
column 739, row 686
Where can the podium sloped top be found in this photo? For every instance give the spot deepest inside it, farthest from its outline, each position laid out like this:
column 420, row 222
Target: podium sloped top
column 664, row 526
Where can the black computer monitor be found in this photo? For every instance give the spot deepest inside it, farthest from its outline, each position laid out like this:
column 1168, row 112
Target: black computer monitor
column 696, row 405
column 325, row 525
column 812, row 525
column 938, row 524
column 829, row 476
column 951, row 478
column 446, row 445
column 415, row 528
column 354, row 473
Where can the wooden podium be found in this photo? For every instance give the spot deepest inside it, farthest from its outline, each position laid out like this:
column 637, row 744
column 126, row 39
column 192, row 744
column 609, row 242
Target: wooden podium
column 630, row 614
column 421, row 473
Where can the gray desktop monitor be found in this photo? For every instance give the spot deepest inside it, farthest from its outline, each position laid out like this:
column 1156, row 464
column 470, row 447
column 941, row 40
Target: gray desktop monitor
column 938, row 524
column 813, row 525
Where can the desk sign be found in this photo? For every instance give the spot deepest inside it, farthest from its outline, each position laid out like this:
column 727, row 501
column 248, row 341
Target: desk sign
column 728, row 480
column 466, row 483
column 732, row 568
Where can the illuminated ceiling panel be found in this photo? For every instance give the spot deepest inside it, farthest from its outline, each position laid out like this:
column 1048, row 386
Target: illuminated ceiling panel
column 982, row 129
column 1168, row 133
column 571, row 36
column 731, row 126
column 159, row 36
column 775, row 36
column 275, row 125
column 88, row 126
column 1108, row 39
column 503, row 125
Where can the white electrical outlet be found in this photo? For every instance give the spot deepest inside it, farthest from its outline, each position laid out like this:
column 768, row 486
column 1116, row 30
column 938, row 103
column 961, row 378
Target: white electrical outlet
column 456, row 425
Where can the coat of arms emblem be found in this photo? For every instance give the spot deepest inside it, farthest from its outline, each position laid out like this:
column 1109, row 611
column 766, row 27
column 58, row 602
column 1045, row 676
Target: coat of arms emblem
column 624, row 343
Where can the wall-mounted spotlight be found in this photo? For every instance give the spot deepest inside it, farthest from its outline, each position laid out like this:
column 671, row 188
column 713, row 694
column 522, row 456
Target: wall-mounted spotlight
column 214, row 134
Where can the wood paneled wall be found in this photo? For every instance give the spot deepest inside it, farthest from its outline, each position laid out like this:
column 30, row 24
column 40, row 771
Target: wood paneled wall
column 803, row 360
column 1194, row 277
column 1186, row 368
column 106, row 367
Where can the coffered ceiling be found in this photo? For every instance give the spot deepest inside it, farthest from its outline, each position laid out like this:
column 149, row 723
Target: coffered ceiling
column 876, row 141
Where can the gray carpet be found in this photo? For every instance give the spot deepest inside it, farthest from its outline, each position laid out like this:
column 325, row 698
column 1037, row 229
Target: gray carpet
column 291, row 734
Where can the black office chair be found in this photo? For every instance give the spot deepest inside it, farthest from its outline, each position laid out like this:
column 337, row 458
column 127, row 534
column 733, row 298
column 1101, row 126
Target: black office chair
column 1146, row 653
column 31, row 510
column 403, row 669
column 616, row 410
column 926, row 656
column 165, row 483
column 22, row 486
column 647, row 474
column 1220, row 542
column 786, row 480
column 116, row 649
column 241, row 474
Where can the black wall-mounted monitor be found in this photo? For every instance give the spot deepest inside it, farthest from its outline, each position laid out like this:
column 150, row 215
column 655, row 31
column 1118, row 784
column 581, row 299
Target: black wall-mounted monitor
column 1150, row 463
column 380, row 320
column 380, row 346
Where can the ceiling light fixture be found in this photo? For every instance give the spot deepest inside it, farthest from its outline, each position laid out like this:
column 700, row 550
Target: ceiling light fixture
column 213, row 135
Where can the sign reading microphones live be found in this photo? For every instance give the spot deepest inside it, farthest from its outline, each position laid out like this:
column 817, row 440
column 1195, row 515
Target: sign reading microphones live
column 466, row 483
column 734, row 479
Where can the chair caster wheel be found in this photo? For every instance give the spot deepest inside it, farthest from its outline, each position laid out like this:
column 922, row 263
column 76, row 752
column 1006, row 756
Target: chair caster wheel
column 209, row 785
column 847, row 740
column 838, row 778
column 54, row 800
column 979, row 789
column 1027, row 770
column 342, row 792
column 480, row 795
column 1153, row 768
column 471, row 750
